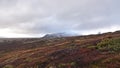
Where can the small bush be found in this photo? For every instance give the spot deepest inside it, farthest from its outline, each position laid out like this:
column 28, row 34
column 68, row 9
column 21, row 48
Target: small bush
column 112, row 45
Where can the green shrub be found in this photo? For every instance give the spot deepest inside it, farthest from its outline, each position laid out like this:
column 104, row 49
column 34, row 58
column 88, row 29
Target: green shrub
column 112, row 45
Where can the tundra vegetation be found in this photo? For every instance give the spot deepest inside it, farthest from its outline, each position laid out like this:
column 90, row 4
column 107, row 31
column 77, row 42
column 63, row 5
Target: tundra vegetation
column 92, row 51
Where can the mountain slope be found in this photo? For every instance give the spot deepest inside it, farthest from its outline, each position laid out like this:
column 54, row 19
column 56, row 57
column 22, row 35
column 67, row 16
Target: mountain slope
column 92, row 51
column 58, row 35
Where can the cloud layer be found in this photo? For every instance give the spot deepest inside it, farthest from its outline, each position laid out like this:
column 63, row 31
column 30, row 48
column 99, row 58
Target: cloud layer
column 39, row 17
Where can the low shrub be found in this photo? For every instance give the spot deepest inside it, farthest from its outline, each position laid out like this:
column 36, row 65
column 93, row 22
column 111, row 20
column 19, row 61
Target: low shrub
column 112, row 45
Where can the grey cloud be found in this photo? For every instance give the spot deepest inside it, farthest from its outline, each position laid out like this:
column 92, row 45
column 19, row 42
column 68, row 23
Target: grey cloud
column 50, row 16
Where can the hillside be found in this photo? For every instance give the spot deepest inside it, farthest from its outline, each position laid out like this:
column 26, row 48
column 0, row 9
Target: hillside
column 92, row 51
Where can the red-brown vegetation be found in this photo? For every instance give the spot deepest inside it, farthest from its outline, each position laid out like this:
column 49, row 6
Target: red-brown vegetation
column 67, row 52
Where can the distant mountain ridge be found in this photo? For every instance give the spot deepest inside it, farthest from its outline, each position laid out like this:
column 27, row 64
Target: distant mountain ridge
column 59, row 35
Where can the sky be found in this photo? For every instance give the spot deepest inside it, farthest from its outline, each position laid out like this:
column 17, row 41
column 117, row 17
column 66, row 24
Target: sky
column 35, row 18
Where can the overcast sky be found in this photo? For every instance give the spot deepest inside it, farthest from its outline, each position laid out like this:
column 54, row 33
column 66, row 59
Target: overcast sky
column 34, row 18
